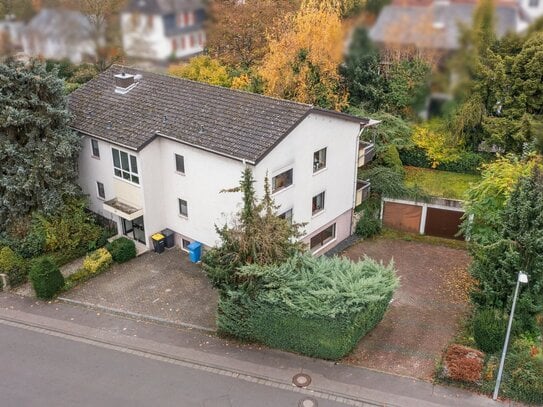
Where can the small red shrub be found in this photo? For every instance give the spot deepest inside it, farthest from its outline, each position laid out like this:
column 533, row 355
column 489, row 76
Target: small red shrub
column 463, row 364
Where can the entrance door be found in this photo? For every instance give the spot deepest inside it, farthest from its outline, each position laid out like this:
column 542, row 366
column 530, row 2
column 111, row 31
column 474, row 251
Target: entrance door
column 127, row 227
column 134, row 229
column 139, row 229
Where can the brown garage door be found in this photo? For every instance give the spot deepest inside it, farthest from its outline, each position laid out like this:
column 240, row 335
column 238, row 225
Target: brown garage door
column 402, row 216
column 443, row 223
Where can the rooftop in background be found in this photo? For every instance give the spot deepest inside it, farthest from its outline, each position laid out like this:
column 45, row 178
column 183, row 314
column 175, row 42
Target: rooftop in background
column 435, row 24
column 163, row 7
column 60, row 23
column 236, row 124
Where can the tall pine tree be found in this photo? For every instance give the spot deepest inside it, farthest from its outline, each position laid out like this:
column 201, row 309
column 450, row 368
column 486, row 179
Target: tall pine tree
column 519, row 248
column 38, row 151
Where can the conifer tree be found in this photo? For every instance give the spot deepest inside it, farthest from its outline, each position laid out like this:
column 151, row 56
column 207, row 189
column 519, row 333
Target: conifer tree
column 361, row 72
column 38, row 151
column 519, row 248
column 257, row 236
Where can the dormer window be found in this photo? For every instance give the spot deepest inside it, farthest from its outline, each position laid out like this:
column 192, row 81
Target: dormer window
column 534, row 3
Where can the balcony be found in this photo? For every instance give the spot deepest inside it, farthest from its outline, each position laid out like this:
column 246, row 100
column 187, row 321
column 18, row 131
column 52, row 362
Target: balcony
column 363, row 190
column 366, row 153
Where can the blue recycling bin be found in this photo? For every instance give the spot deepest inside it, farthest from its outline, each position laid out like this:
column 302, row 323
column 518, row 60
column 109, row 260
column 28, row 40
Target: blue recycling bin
column 195, row 251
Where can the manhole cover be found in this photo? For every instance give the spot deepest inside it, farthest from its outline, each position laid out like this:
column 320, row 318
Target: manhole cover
column 301, row 380
column 308, row 402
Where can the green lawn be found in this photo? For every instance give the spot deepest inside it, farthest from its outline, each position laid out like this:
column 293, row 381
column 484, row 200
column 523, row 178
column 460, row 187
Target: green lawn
column 443, row 184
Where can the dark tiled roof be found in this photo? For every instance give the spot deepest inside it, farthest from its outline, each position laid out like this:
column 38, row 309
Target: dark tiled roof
column 163, row 6
column 232, row 123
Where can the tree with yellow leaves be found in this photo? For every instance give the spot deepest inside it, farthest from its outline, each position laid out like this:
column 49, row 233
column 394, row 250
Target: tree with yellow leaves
column 303, row 63
column 203, row 69
column 343, row 7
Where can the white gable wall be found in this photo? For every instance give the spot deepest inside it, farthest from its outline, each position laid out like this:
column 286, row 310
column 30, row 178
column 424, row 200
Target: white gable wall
column 340, row 137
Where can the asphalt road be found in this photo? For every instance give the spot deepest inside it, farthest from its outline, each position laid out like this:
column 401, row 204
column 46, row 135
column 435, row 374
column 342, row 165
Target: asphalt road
column 43, row 370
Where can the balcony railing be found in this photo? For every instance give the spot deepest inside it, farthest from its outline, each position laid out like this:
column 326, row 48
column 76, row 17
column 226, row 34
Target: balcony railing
column 366, row 153
column 363, row 190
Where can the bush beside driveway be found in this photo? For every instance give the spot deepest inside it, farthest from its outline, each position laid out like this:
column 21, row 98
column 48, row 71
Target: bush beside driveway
column 426, row 310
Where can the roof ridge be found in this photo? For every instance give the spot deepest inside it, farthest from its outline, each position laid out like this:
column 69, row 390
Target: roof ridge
column 309, row 106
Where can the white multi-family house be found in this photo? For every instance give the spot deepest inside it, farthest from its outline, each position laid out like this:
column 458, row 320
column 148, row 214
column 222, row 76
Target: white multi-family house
column 163, row 29
column 157, row 151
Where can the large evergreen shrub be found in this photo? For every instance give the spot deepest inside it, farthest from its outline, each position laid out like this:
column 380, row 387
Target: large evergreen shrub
column 122, row 249
column 38, row 150
column 316, row 306
column 46, row 278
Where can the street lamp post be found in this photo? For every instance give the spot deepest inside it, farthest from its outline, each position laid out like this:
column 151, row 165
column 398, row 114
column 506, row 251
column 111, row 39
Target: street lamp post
column 522, row 278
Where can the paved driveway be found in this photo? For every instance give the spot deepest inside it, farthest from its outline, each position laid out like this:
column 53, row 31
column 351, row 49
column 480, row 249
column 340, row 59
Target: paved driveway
column 162, row 286
column 426, row 310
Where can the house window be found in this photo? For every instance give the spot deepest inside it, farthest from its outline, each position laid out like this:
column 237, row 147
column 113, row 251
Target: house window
column 191, row 41
column 286, row 215
column 183, row 44
column 186, row 244
column 319, row 160
column 323, row 237
column 101, row 190
column 180, row 164
column 534, row 3
column 125, row 166
column 95, row 149
column 135, row 20
column 318, row 203
column 150, row 18
column 282, row 180
column 174, row 44
column 183, row 208
column 186, row 17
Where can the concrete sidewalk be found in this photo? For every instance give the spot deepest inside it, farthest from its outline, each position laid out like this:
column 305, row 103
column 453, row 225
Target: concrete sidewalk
column 347, row 384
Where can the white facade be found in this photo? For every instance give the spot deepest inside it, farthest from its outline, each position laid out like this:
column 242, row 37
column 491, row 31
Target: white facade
column 532, row 8
column 145, row 36
column 206, row 174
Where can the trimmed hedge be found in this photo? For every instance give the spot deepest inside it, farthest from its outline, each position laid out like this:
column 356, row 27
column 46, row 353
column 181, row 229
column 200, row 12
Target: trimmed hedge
column 319, row 307
column 122, row 249
column 469, row 162
column 489, row 327
column 97, row 261
column 46, row 278
column 13, row 266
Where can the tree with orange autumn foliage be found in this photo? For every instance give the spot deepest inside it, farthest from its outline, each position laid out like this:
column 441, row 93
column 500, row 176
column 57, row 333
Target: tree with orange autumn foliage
column 302, row 64
column 238, row 32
